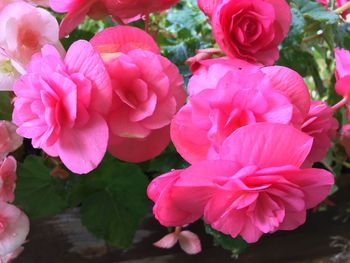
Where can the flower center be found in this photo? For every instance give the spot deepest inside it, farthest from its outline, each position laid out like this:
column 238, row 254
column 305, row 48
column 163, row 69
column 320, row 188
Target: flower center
column 28, row 38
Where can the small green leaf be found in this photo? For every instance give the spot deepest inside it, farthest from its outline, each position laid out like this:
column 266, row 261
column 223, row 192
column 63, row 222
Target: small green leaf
column 6, row 107
column 37, row 192
column 114, row 202
column 235, row 245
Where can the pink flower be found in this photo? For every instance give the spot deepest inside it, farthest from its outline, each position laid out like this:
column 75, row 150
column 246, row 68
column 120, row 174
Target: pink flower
column 125, row 10
column 9, row 139
column 256, row 187
column 24, row 29
column 208, row 6
column 61, row 104
column 7, row 179
column 251, row 29
column 273, row 94
column 345, row 138
column 147, row 92
column 322, row 126
column 129, row 10
column 189, row 242
column 342, row 72
column 76, row 11
column 14, row 228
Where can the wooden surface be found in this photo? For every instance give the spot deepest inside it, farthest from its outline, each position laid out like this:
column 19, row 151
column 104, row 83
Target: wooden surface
column 62, row 239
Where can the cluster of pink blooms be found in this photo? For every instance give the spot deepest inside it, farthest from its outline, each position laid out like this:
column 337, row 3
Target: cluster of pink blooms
column 14, row 224
column 250, row 132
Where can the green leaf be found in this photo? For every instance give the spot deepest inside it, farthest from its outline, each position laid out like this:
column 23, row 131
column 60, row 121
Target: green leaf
column 6, row 107
column 316, row 11
column 37, row 192
column 114, row 201
column 235, row 245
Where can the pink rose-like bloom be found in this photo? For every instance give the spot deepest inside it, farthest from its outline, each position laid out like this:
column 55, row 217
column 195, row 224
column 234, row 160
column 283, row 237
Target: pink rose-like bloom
column 322, row 126
column 7, row 179
column 147, row 92
column 61, row 105
column 9, row 139
column 14, row 228
column 256, row 187
column 25, row 29
column 239, row 98
column 251, row 29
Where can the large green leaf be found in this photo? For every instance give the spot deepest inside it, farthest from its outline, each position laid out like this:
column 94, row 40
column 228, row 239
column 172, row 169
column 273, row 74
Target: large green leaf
column 37, row 192
column 316, row 11
column 114, row 201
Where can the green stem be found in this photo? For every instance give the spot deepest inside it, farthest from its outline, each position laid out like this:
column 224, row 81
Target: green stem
column 343, row 8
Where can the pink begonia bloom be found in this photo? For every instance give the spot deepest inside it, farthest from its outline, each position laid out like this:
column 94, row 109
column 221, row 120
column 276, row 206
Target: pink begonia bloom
column 342, row 72
column 146, row 95
column 273, row 94
column 14, row 228
column 189, row 241
column 256, row 187
column 8, row 258
column 8, row 73
column 61, row 105
column 208, row 6
column 345, row 138
column 322, row 126
column 125, row 10
column 251, row 29
column 25, row 29
column 10, row 141
column 7, row 179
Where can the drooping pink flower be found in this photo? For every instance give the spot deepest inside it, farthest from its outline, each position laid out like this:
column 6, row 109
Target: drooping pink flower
column 342, row 72
column 147, row 92
column 345, row 138
column 189, row 241
column 25, row 29
column 256, row 187
column 61, row 105
column 76, row 11
column 129, row 10
column 272, row 94
column 7, row 179
column 125, row 10
column 251, row 29
column 14, row 228
column 9, row 139
column 322, row 126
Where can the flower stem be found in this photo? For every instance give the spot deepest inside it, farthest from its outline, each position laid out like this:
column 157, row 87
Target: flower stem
column 339, row 104
column 147, row 23
column 343, row 8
